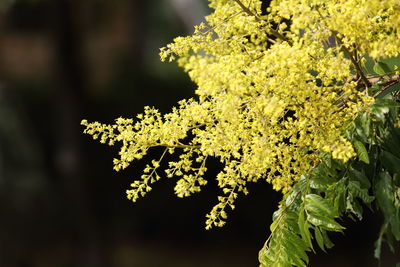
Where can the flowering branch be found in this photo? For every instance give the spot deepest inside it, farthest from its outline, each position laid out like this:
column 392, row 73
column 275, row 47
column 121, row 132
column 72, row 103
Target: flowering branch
column 273, row 32
column 354, row 61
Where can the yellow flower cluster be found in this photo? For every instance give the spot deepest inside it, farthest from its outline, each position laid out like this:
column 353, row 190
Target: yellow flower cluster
column 270, row 96
column 373, row 27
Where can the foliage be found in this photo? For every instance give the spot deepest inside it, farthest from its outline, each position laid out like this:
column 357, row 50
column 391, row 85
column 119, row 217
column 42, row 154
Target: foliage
column 302, row 95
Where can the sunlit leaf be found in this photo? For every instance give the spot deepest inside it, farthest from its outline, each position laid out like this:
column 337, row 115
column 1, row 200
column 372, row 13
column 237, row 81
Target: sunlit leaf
column 325, row 223
column 361, row 151
column 381, row 68
column 317, row 205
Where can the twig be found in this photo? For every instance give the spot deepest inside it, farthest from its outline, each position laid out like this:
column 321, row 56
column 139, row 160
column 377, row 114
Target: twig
column 388, row 84
column 176, row 146
column 342, row 46
column 353, row 60
column 272, row 31
column 245, row 9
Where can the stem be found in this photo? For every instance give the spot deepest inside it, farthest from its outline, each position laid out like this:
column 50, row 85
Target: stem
column 177, row 146
column 342, row 46
column 387, row 85
column 353, row 60
column 272, row 31
column 245, row 9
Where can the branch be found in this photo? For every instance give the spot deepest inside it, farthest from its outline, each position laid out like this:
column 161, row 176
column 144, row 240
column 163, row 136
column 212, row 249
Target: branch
column 272, row 31
column 245, row 9
column 390, row 83
column 353, row 60
column 177, row 146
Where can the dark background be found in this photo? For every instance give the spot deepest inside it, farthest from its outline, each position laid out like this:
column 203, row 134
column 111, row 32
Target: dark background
column 61, row 204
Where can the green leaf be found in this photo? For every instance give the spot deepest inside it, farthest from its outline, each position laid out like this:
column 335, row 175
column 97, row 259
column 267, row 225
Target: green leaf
column 327, row 159
column 392, row 62
column 381, row 68
column 300, row 186
column 390, row 162
column 325, row 222
column 362, row 125
column 378, row 247
column 361, row 151
column 328, row 243
column 319, row 238
column 369, row 65
column 378, row 242
column 392, row 142
column 303, row 227
column 321, row 182
column 396, row 181
column 318, row 206
column 355, row 189
column 386, row 103
column 354, row 206
column 382, row 106
column 389, row 90
column 286, row 246
column 340, row 191
column 395, row 225
column 294, row 245
column 360, row 177
column 385, row 195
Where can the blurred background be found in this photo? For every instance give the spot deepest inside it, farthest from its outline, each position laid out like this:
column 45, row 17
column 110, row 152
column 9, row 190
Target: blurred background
column 61, row 204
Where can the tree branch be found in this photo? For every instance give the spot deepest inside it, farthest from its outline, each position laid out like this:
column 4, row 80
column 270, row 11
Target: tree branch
column 390, row 83
column 272, row 31
column 353, row 60
column 245, row 9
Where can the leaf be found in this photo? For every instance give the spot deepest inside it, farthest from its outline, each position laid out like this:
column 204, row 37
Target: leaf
column 339, row 198
column 382, row 106
column 319, row 238
column 391, row 62
column 327, row 241
column 327, row 159
column 355, row 189
column 386, row 103
column 303, row 227
column 395, row 225
column 389, row 90
column 392, row 142
column 378, row 242
column 381, row 68
column 369, row 65
column 360, row 177
column 362, row 125
column 378, row 246
column 317, row 205
column 354, row 206
column 396, row 181
column 300, row 186
column 321, row 182
column 286, row 246
column 384, row 193
column 361, row 151
column 390, row 162
column 295, row 246
column 325, row 223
